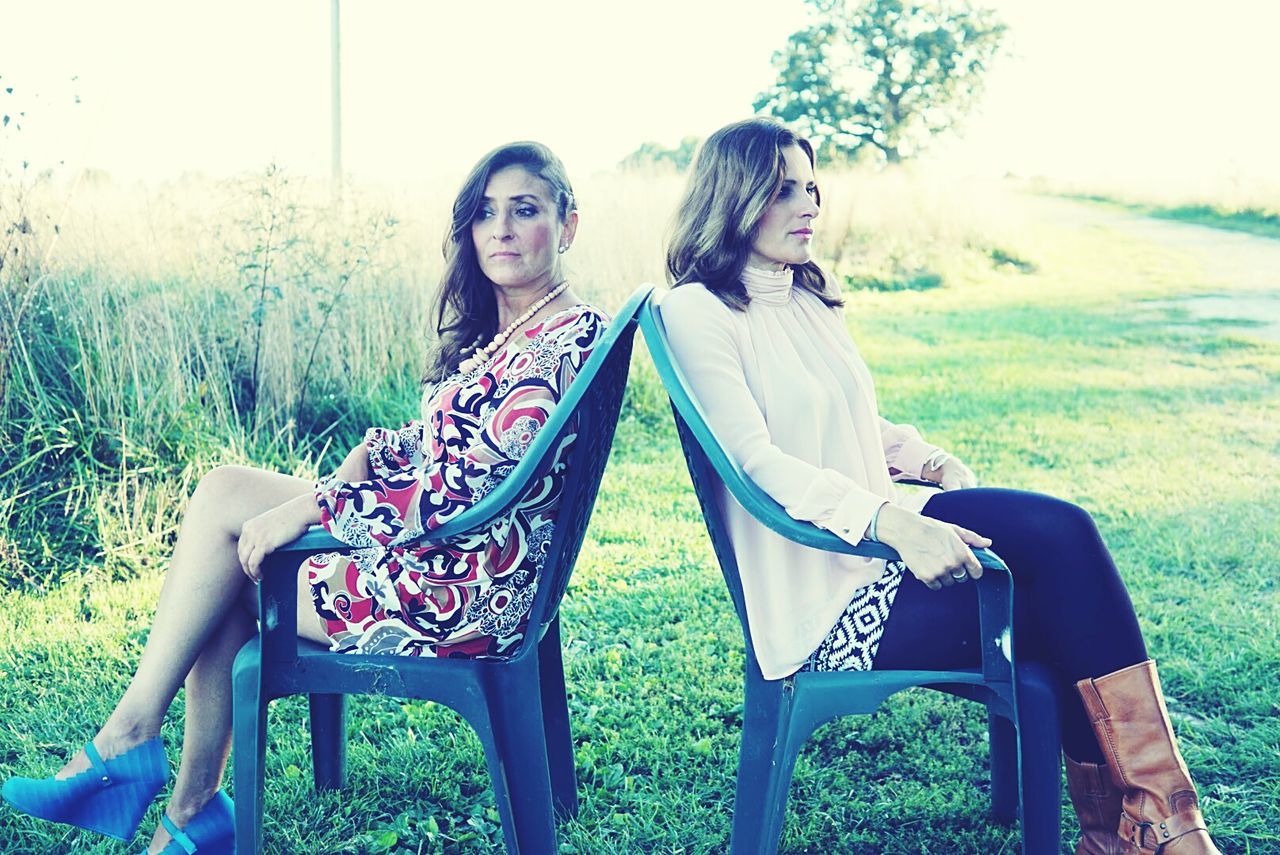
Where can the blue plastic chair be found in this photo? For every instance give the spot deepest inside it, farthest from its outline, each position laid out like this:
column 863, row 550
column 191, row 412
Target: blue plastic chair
column 517, row 705
column 779, row 715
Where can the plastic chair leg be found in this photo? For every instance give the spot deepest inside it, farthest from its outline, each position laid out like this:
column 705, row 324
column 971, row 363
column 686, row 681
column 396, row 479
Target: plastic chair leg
column 1041, row 746
column 329, row 740
column 249, row 727
column 1005, row 789
column 555, row 723
column 517, row 755
column 765, row 764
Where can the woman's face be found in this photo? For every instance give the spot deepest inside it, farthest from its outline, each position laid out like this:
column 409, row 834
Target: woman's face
column 517, row 230
column 784, row 233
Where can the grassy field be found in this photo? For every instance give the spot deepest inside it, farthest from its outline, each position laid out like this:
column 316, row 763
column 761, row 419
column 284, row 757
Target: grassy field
column 1234, row 204
column 1254, row 221
column 1046, row 374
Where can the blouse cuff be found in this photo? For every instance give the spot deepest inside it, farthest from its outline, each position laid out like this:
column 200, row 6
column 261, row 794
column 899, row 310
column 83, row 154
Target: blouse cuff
column 853, row 514
column 910, row 459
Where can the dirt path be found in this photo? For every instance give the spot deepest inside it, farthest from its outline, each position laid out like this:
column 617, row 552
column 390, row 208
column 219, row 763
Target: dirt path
column 1242, row 269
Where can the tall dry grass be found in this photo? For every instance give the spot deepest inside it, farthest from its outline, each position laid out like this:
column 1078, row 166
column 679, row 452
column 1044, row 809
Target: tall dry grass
column 169, row 328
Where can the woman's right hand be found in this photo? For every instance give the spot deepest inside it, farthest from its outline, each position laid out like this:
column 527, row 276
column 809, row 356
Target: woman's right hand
column 270, row 530
column 936, row 553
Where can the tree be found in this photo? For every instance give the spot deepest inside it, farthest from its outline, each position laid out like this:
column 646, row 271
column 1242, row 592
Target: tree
column 654, row 154
column 883, row 73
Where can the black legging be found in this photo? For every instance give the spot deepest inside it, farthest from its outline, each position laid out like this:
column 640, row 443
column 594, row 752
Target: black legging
column 1071, row 610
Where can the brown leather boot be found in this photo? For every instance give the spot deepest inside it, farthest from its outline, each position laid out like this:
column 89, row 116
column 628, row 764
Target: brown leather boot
column 1161, row 812
column 1097, row 801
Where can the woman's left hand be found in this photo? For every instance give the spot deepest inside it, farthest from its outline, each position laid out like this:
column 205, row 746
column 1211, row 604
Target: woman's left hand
column 952, row 475
column 267, row 532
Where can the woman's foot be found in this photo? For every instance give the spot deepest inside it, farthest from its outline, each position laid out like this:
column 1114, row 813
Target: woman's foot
column 181, row 814
column 1160, row 808
column 1098, row 803
column 208, row 822
column 109, row 795
column 111, row 742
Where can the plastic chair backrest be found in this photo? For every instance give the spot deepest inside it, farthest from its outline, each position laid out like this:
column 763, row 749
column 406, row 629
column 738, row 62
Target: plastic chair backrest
column 594, row 400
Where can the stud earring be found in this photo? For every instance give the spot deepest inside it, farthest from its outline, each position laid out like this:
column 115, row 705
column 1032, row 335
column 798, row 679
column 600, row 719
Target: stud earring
column 563, row 249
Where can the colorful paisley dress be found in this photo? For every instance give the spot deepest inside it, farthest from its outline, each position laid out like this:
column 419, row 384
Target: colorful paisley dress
column 469, row 597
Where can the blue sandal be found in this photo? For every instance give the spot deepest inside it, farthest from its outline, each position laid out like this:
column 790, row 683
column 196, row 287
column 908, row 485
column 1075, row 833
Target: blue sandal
column 210, row 832
column 110, row 798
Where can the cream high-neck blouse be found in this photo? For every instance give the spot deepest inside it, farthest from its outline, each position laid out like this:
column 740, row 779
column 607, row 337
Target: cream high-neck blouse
column 785, row 389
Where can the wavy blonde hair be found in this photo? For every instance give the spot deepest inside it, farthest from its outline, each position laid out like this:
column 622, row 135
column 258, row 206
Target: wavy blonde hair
column 736, row 176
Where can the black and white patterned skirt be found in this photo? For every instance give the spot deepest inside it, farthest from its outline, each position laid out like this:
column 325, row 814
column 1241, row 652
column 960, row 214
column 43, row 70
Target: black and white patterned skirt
column 852, row 643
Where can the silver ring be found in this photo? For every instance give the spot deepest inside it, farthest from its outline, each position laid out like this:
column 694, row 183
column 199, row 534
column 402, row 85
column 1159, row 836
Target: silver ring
column 960, row 575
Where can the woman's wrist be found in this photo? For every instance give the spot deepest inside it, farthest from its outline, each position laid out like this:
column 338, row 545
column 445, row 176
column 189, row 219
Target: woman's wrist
column 871, row 533
column 305, row 509
column 931, row 470
column 893, row 524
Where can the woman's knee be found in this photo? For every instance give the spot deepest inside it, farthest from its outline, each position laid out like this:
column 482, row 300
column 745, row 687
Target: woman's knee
column 223, row 482
column 1054, row 520
column 1022, row 524
column 228, row 495
column 1019, row 515
column 1059, row 537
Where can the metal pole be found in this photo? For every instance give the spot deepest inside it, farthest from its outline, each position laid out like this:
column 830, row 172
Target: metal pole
column 335, row 90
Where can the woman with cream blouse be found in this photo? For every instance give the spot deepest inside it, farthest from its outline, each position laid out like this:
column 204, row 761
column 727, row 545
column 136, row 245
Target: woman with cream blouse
column 759, row 330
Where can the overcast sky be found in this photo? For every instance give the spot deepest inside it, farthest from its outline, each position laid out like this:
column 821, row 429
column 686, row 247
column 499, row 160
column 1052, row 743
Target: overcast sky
column 1122, row 87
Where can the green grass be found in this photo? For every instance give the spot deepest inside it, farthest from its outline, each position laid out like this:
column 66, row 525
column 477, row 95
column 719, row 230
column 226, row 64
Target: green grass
column 1046, row 380
column 1252, row 220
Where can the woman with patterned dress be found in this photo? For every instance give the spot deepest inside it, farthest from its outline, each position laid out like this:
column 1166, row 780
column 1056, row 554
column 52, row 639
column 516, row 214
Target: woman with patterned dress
column 469, row 598
column 511, row 338
column 758, row 328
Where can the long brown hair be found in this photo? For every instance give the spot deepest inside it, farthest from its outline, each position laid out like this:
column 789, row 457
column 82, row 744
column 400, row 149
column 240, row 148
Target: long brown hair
column 465, row 309
column 736, row 176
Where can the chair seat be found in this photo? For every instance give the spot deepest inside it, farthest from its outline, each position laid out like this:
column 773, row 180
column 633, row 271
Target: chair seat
column 862, row 692
column 448, row 681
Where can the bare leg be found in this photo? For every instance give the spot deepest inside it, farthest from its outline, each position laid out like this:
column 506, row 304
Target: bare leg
column 206, row 736
column 206, row 739
column 199, row 626
column 203, row 584
column 206, row 611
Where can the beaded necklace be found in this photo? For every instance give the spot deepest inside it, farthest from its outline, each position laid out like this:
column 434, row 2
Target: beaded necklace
column 482, row 355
